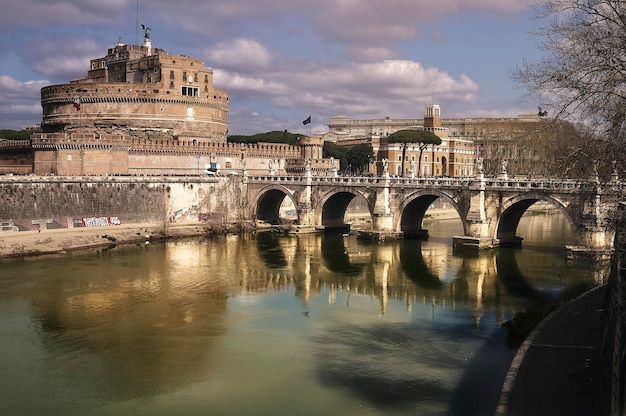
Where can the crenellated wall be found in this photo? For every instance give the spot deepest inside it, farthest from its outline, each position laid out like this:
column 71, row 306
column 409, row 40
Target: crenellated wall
column 86, row 153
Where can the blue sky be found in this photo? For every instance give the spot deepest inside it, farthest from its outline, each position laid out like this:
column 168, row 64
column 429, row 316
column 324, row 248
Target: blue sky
column 283, row 61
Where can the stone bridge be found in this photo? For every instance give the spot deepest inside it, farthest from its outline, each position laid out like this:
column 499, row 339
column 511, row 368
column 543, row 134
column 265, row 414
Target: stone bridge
column 489, row 208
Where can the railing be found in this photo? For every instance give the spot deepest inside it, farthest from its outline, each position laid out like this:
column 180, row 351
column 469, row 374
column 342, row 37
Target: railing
column 522, row 185
column 426, row 182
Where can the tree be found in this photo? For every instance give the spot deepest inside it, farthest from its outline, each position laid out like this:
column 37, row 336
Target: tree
column 16, row 134
column 269, row 137
column 333, row 150
column 583, row 75
column 359, row 156
column 422, row 138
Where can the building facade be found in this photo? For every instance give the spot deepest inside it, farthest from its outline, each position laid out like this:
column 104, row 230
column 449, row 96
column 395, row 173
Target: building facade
column 464, row 140
column 454, row 157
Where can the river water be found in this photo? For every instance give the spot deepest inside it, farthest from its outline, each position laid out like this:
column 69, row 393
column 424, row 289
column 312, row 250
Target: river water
column 273, row 325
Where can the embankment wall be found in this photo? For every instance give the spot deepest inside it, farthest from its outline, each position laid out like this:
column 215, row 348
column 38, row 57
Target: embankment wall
column 32, row 202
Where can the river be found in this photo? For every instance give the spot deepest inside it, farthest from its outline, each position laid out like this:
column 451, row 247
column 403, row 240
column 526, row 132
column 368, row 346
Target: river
column 273, row 325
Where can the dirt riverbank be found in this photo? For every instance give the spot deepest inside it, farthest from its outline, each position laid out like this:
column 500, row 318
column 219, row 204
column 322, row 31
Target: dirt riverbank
column 29, row 243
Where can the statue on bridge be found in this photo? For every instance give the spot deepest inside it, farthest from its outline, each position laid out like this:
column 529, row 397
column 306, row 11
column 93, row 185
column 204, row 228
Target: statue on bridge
column 479, row 165
column 385, row 165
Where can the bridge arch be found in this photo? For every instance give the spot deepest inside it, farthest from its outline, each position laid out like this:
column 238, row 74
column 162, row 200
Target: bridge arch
column 413, row 208
column 268, row 201
column 513, row 210
column 334, row 204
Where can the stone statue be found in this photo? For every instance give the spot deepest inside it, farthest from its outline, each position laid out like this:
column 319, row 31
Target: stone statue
column 412, row 166
column 504, row 165
column 385, row 165
column 271, row 164
column 479, row 165
column 146, row 31
column 333, row 163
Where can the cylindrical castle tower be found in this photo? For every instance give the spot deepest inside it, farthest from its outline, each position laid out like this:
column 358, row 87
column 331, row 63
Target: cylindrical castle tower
column 140, row 91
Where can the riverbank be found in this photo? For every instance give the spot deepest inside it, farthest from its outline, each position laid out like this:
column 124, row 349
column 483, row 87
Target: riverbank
column 52, row 241
column 59, row 240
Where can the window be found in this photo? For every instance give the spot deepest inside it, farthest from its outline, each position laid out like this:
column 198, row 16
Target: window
column 190, row 91
column 185, row 76
column 171, row 74
column 93, row 65
column 103, row 64
column 206, row 79
column 195, row 77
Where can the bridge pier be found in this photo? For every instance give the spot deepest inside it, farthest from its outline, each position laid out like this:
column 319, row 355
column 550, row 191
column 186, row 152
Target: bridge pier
column 383, row 218
column 478, row 227
column 382, row 230
column 594, row 244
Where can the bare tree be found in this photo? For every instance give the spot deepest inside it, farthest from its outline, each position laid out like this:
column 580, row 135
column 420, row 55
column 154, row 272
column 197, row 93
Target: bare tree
column 582, row 77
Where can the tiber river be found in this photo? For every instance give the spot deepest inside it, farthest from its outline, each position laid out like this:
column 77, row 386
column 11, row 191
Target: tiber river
column 273, row 325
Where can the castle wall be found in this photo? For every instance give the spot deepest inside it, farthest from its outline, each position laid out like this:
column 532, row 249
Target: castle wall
column 137, row 109
column 58, row 202
column 15, row 157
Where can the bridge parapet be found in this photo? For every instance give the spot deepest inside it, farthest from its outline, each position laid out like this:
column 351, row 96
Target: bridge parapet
column 468, row 182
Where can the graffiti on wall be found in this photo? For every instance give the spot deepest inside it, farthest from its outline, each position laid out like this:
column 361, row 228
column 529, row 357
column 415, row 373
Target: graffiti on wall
column 100, row 221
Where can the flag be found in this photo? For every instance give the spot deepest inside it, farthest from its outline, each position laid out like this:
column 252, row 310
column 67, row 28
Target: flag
column 77, row 103
column 307, row 121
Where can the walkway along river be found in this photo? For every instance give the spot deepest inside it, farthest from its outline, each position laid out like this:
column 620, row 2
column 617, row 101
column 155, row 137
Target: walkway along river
column 266, row 324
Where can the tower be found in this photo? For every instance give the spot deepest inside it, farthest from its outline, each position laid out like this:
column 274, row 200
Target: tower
column 432, row 116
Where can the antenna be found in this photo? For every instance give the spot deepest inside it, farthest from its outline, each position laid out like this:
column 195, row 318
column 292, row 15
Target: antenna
column 137, row 25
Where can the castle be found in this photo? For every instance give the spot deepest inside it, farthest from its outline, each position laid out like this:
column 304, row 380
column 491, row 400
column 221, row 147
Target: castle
column 142, row 111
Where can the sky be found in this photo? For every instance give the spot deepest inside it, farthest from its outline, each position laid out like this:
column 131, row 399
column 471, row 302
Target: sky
column 283, row 61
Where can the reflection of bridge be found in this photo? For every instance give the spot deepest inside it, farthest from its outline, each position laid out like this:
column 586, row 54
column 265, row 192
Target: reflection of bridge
column 489, row 208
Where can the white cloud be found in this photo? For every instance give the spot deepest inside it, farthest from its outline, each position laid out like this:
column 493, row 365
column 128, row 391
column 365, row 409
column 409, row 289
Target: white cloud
column 240, row 53
column 373, row 89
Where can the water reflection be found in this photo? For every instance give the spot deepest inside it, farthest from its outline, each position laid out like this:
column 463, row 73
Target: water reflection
column 269, row 248
column 148, row 321
column 336, row 258
column 318, row 324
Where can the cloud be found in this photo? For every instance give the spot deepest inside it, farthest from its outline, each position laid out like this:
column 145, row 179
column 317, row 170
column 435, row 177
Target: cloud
column 391, row 87
column 240, row 53
column 32, row 13
column 19, row 102
column 62, row 58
